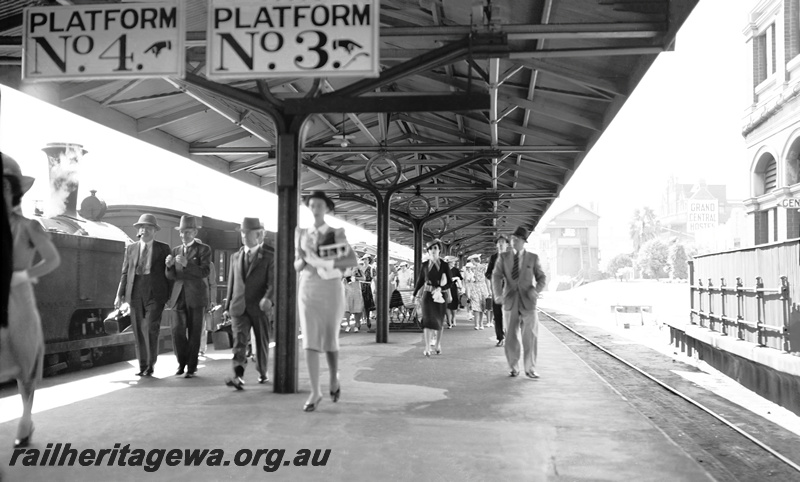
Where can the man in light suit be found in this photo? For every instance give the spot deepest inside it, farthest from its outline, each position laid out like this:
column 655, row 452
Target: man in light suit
column 517, row 280
column 249, row 298
column 144, row 286
column 189, row 266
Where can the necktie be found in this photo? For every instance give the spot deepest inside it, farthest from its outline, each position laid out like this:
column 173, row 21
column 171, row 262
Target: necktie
column 515, row 269
column 247, row 260
column 143, row 260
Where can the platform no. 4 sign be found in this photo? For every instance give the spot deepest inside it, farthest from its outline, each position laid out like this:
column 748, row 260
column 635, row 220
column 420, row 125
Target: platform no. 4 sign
column 104, row 41
column 298, row 38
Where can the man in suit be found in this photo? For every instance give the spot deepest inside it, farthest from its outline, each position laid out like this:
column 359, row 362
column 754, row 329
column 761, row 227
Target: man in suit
column 189, row 266
column 249, row 299
column 517, row 280
column 497, row 308
column 144, row 286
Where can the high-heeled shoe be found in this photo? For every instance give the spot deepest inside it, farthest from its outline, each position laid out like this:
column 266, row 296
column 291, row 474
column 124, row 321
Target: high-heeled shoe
column 24, row 441
column 426, row 353
column 311, row 406
column 438, row 351
column 335, row 395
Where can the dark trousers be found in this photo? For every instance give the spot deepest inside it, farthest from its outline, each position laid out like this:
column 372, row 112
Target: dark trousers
column 240, row 325
column 187, row 327
column 497, row 311
column 146, row 322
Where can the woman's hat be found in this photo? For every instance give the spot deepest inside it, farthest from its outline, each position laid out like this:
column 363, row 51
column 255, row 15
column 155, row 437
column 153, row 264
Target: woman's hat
column 250, row 224
column 474, row 255
column 521, row 233
column 450, row 259
column 320, row 195
column 432, row 243
column 147, row 219
column 187, row 222
column 11, row 168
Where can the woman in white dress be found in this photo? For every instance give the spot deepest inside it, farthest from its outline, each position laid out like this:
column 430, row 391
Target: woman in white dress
column 22, row 342
column 320, row 294
column 476, row 288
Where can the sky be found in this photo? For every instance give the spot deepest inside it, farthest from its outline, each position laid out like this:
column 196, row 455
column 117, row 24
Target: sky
column 684, row 119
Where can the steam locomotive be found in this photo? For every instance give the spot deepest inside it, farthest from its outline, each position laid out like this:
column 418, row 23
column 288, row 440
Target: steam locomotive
column 75, row 300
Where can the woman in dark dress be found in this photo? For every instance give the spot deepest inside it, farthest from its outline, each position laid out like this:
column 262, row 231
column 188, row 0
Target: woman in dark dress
column 433, row 284
column 455, row 291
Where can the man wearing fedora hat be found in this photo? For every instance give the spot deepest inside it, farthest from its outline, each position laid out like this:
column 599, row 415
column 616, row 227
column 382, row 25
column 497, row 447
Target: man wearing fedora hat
column 517, row 280
column 249, row 299
column 144, row 286
column 188, row 266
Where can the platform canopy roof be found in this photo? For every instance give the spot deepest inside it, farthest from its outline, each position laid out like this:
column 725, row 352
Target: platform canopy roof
column 486, row 107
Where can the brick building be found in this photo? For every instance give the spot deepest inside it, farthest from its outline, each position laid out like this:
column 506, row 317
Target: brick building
column 772, row 121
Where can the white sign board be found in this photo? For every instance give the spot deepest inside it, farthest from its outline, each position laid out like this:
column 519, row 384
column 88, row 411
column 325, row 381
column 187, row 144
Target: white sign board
column 109, row 41
column 701, row 214
column 292, row 38
column 790, row 203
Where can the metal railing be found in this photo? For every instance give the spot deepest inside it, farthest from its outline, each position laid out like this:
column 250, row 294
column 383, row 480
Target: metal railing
column 711, row 307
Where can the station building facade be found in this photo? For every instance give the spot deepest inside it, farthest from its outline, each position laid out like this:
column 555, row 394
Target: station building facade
column 570, row 244
column 771, row 124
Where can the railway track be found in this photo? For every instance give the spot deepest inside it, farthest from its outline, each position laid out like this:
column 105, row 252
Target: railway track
column 729, row 441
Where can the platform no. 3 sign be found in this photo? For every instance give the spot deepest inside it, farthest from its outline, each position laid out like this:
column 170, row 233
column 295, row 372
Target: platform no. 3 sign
column 104, row 41
column 299, row 38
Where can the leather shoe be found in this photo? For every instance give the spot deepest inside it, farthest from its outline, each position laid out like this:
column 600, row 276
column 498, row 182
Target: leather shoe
column 149, row 373
column 532, row 374
column 180, row 370
column 263, row 378
column 235, row 382
column 141, row 374
column 513, row 373
column 501, row 343
column 189, row 375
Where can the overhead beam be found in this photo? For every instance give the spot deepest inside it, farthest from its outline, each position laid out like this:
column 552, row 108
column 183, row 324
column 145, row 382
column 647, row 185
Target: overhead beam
column 329, row 104
column 149, row 123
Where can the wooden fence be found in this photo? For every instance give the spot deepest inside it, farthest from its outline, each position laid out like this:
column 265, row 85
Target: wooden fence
column 750, row 294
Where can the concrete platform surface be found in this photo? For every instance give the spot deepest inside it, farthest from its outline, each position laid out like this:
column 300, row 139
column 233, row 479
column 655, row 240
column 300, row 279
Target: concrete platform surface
column 402, row 416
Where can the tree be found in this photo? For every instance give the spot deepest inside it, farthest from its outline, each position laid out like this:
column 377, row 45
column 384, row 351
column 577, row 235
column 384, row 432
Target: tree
column 676, row 260
column 618, row 262
column 643, row 227
column 652, row 259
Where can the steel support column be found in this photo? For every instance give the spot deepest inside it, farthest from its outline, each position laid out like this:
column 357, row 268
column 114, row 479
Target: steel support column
column 382, row 204
column 286, row 377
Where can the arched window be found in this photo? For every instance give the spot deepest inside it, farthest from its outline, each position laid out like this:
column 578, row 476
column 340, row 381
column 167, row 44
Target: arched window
column 765, row 175
column 793, row 163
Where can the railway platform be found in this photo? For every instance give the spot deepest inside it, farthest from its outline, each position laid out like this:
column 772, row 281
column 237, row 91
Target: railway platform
column 402, row 416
